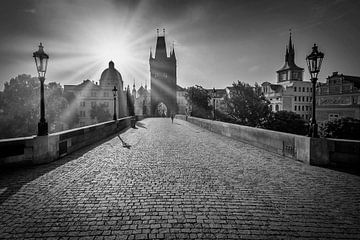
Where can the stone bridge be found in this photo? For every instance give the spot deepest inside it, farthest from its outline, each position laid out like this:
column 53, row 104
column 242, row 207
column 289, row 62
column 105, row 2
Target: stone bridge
column 177, row 181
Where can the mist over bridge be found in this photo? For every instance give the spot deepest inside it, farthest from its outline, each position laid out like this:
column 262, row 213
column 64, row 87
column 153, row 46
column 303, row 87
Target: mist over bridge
column 177, row 181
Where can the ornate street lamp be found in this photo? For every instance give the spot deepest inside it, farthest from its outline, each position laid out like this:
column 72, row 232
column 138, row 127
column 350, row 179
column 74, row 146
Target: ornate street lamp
column 114, row 90
column 314, row 61
column 41, row 60
column 214, row 95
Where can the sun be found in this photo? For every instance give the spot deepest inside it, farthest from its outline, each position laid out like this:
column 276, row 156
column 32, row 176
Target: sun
column 117, row 51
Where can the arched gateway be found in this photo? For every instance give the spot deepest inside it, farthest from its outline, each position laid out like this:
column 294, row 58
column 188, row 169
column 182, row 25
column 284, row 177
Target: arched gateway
column 163, row 78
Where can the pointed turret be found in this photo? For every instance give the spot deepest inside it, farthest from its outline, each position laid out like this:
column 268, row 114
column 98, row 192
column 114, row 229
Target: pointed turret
column 160, row 51
column 290, row 71
column 134, row 90
column 151, row 57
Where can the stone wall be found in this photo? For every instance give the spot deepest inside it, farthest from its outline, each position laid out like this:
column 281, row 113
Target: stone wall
column 314, row 151
column 41, row 149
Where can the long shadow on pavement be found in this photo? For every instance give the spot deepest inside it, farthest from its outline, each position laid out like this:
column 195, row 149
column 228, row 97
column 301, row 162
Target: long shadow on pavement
column 12, row 178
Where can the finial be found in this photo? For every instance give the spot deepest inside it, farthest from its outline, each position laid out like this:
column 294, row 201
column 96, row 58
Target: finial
column 290, row 31
column 164, row 31
column 157, row 32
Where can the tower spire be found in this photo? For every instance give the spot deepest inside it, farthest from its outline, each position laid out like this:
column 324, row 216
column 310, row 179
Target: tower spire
column 291, row 52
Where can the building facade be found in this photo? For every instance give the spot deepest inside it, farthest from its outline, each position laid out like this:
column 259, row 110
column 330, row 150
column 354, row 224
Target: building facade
column 290, row 92
column 88, row 94
column 163, row 78
column 338, row 97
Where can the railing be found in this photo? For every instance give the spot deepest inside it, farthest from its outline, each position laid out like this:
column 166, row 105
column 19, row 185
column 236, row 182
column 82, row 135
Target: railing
column 314, row 151
column 42, row 149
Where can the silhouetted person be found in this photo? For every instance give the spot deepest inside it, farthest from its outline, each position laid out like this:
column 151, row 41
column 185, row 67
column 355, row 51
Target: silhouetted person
column 172, row 117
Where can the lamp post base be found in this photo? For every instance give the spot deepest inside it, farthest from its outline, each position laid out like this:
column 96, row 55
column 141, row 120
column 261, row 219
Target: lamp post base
column 42, row 128
column 313, row 130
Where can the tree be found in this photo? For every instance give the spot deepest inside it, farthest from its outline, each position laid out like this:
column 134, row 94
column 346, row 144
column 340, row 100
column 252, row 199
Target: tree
column 343, row 128
column 289, row 122
column 100, row 112
column 198, row 98
column 20, row 106
column 247, row 106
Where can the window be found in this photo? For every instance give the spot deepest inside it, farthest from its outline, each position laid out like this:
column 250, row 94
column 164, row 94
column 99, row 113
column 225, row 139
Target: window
column 310, row 89
column 93, row 93
column 82, row 104
column 303, row 108
column 294, row 89
column 93, row 104
column 295, row 98
column 307, row 108
column 303, row 89
column 295, row 107
column 303, row 98
column 82, row 113
column 307, row 89
column 307, row 98
column 276, row 107
column 333, row 116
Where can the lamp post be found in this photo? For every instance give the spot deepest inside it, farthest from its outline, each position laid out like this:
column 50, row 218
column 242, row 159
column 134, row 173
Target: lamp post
column 114, row 90
column 41, row 60
column 314, row 61
column 214, row 92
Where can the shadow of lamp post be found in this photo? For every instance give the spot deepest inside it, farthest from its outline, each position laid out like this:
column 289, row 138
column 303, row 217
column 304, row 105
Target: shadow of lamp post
column 41, row 60
column 114, row 90
column 314, row 61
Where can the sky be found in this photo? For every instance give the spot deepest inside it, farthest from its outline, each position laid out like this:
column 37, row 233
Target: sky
column 216, row 42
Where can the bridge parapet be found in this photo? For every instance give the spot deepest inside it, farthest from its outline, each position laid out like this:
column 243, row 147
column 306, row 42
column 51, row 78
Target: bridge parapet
column 314, row 151
column 42, row 149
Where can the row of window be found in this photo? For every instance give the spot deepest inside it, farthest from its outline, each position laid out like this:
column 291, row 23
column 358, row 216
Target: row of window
column 303, row 98
column 94, row 94
column 83, row 103
column 304, row 89
column 302, row 108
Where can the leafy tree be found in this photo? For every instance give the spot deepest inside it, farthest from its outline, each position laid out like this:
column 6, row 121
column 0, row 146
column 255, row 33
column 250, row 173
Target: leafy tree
column 100, row 112
column 343, row 128
column 289, row 122
column 247, row 106
column 198, row 98
column 20, row 105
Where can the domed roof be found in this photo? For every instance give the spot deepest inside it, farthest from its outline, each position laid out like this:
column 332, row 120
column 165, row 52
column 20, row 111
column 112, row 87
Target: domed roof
column 111, row 76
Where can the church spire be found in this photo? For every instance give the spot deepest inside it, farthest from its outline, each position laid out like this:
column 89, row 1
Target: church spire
column 291, row 57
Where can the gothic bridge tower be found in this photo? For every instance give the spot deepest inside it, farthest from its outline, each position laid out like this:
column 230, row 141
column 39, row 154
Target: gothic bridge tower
column 163, row 78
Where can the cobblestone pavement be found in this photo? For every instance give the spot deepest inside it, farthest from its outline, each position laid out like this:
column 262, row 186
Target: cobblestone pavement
column 177, row 181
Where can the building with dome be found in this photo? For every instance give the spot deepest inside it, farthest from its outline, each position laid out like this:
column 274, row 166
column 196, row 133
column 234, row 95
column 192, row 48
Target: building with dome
column 88, row 94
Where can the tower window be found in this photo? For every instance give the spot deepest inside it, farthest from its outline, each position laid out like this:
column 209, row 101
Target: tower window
column 294, row 89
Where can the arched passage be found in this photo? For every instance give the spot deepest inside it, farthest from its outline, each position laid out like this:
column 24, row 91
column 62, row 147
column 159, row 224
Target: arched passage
column 161, row 110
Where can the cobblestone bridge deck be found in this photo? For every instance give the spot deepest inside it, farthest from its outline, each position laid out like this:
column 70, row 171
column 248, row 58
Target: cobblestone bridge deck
column 177, row 181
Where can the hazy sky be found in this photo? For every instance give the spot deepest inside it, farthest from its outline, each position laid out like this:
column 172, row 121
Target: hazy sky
column 216, row 42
